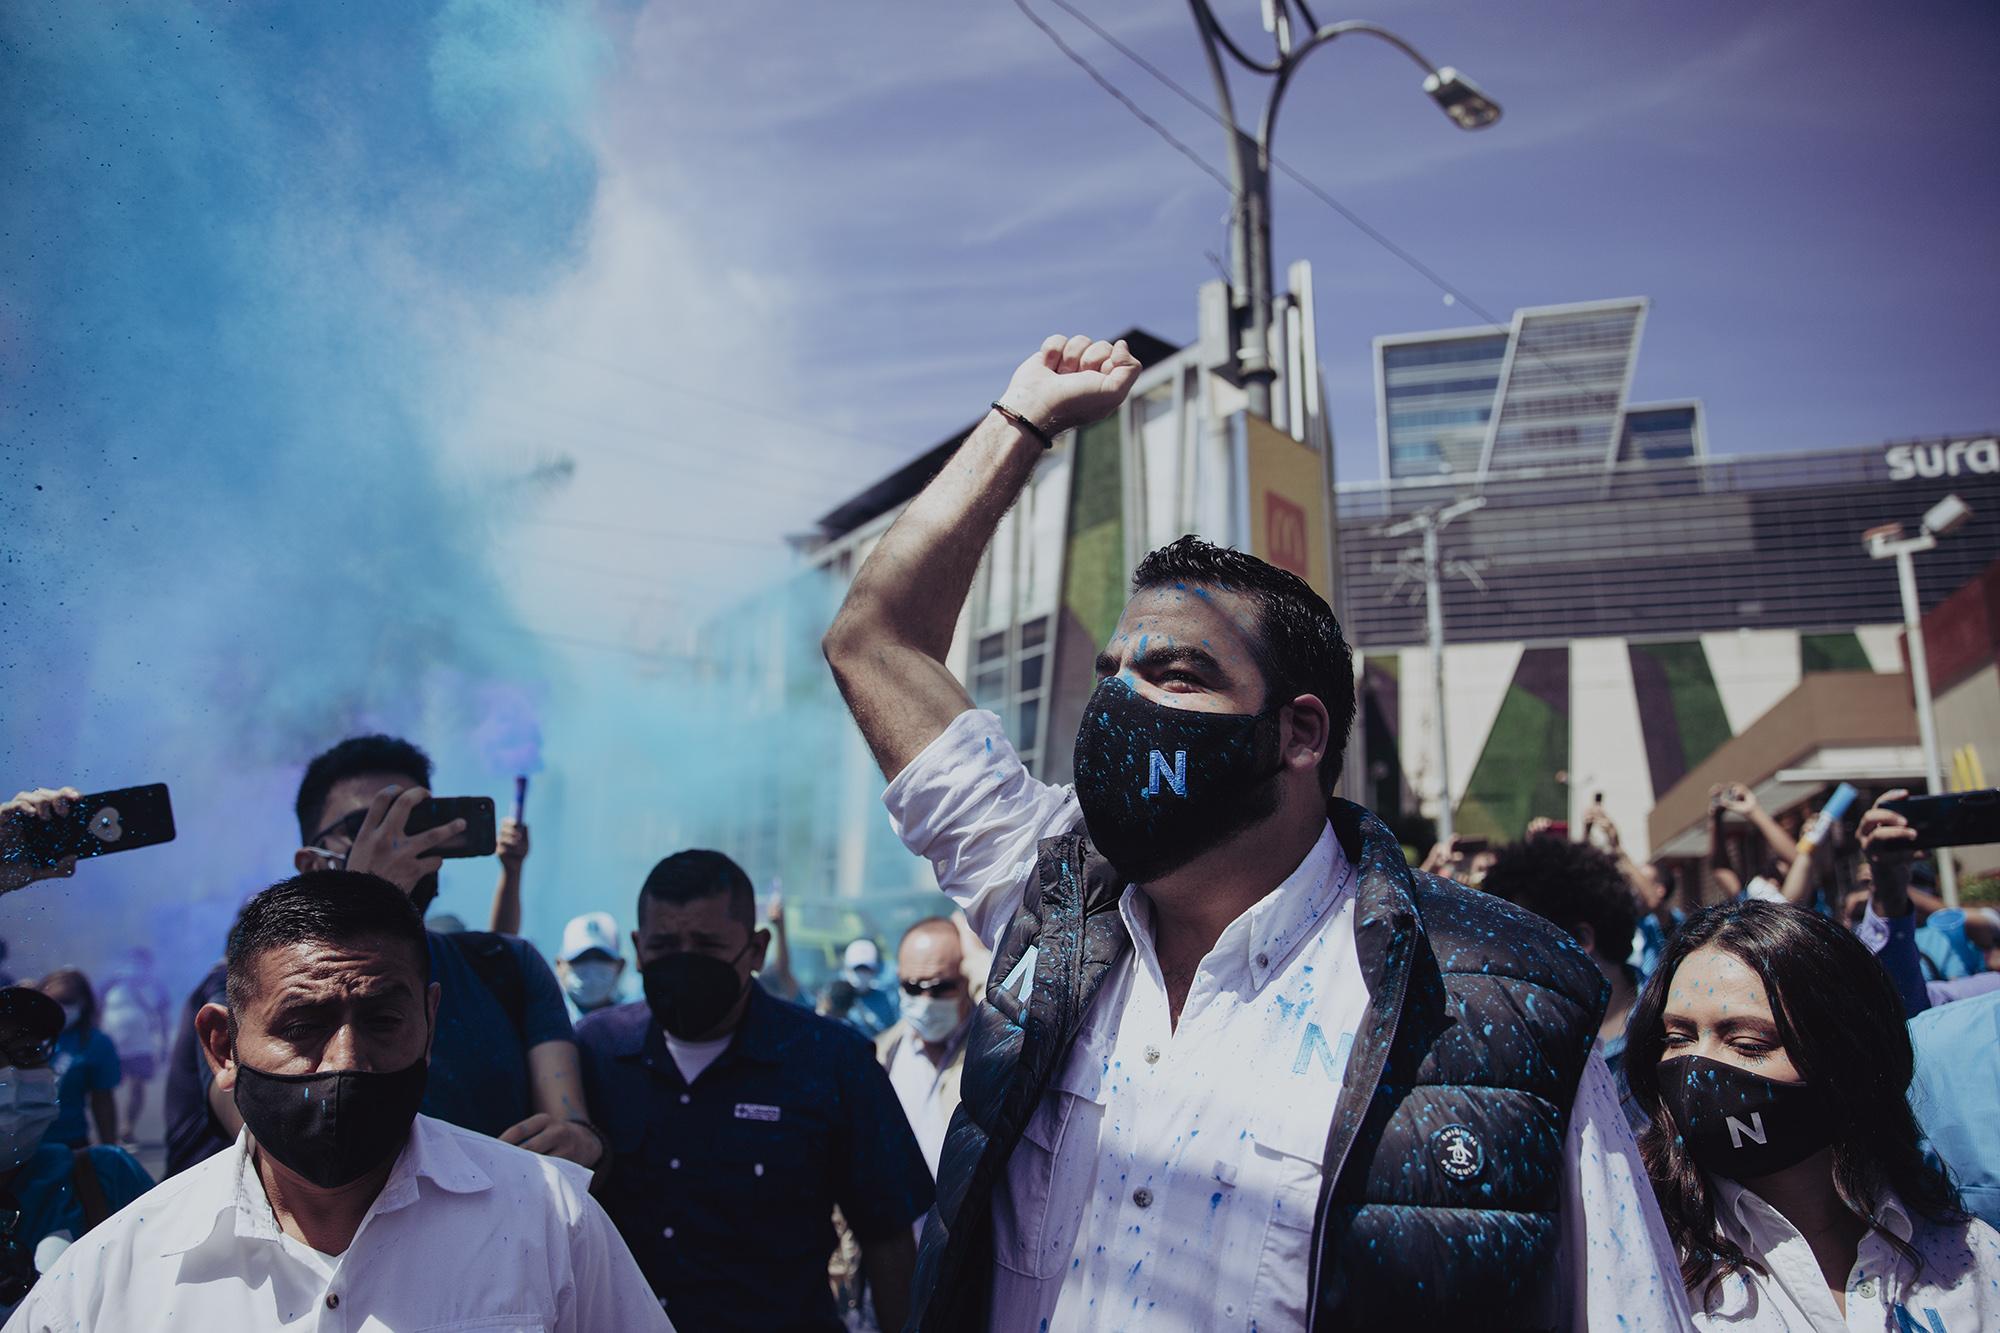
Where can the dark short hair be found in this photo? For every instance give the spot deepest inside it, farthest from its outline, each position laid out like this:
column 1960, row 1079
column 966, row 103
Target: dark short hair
column 687, row 877
column 1841, row 1024
column 341, row 907
column 1299, row 646
column 355, row 757
column 1565, row 883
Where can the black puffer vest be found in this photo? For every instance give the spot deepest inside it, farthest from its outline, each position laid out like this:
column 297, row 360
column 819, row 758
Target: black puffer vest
column 1440, row 1202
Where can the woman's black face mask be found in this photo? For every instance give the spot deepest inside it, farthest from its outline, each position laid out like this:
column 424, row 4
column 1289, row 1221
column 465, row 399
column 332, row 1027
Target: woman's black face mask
column 1741, row 1125
column 1159, row 786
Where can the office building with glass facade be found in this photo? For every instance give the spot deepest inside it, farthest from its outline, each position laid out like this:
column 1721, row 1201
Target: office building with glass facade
column 1549, row 390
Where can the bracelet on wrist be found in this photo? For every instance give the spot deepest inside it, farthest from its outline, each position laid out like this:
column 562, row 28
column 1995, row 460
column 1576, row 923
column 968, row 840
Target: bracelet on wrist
column 1025, row 425
column 603, row 1143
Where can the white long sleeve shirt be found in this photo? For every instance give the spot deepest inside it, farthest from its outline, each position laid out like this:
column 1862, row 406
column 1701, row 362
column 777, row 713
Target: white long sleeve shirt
column 1169, row 1178
column 467, row 1233
column 1955, row 1290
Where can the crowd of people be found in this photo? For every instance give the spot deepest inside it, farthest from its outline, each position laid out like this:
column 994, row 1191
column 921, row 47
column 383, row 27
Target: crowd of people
column 1198, row 1047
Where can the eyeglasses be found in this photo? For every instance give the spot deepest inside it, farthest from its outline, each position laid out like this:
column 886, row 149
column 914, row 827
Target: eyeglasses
column 348, row 826
column 944, row 988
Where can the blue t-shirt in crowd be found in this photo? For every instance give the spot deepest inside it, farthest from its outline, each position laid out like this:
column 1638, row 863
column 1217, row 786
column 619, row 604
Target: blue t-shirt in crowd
column 45, row 1191
column 479, row 1066
column 85, row 1061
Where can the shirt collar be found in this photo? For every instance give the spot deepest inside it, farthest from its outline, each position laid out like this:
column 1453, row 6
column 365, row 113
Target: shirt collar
column 244, row 1212
column 761, row 1036
column 1749, row 1220
column 1260, row 940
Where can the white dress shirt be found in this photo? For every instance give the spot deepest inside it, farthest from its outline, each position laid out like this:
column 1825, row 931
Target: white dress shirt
column 467, row 1233
column 1957, row 1289
column 920, row 1086
column 1169, row 1178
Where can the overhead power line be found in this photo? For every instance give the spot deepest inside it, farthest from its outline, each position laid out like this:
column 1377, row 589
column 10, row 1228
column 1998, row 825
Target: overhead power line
column 1305, row 182
column 1155, row 126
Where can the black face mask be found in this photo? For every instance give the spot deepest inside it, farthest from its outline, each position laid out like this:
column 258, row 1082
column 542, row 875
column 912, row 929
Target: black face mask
column 1159, row 786
column 333, row 1127
column 690, row 992
column 1741, row 1125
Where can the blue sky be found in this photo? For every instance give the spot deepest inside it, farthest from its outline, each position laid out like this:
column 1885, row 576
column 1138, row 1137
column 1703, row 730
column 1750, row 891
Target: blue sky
column 922, row 193
column 361, row 363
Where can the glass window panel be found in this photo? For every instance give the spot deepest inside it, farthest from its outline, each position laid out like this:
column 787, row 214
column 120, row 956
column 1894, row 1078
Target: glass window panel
column 1031, row 673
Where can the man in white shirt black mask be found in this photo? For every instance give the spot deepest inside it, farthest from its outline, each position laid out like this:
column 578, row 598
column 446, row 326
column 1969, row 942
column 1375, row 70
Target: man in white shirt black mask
column 340, row 1202
column 1238, row 1065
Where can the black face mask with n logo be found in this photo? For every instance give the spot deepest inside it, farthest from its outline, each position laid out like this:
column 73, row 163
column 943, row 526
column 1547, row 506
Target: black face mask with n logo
column 1159, row 786
column 1742, row 1125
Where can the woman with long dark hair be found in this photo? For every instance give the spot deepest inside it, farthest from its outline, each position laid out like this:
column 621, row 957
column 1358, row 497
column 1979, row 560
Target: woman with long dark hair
column 1770, row 1054
column 85, row 1061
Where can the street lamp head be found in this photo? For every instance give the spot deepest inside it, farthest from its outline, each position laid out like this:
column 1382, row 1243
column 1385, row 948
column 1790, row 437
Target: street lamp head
column 1946, row 516
column 1461, row 98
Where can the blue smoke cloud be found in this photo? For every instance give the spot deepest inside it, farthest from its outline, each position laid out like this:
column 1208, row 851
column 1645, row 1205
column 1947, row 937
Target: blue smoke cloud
column 236, row 246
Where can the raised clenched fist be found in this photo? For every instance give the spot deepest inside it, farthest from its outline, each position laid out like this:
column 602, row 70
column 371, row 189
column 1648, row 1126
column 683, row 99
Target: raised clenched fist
column 1071, row 382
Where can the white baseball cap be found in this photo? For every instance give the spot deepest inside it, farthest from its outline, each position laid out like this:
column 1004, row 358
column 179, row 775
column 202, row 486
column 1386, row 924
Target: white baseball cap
column 863, row 953
column 592, row 930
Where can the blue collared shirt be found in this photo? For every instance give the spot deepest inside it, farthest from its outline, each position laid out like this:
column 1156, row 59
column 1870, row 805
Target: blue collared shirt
column 725, row 1189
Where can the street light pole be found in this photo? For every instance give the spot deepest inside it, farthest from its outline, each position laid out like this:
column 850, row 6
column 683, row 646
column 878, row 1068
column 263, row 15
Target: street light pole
column 1434, row 631
column 1888, row 542
column 1250, row 279
column 1429, row 523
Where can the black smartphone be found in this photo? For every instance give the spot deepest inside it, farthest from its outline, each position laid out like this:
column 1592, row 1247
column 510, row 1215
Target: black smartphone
column 1471, row 846
column 477, row 812
column 1951, row 819
column 97, row 825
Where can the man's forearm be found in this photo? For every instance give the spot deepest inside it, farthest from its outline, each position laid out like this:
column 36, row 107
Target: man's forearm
column 916, row 580
column 1779, row 841
column 887, row 647
column 891, row 1268
column 506, row 915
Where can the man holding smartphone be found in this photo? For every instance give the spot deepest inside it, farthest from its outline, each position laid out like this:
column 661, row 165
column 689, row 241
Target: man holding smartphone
column 504, row 1062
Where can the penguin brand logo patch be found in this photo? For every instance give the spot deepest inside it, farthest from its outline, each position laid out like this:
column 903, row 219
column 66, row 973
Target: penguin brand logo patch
column 1458, row 1152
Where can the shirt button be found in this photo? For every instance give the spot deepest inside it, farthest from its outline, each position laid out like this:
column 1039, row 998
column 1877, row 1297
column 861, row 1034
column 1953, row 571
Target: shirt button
column 668, row 1232
column 1152, row 1055
column 1143, row 1197
column 1263, row 960
column 1866, row 1290
column 333, row 1300
column 674, row 1165
column 685, row 1099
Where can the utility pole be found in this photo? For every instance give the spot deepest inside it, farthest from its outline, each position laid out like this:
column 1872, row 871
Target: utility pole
column 1888, row 542
column 1425, row 561
column 1250, row 280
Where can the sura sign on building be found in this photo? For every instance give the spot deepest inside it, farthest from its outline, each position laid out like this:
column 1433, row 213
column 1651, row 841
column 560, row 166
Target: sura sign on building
column 1944, row 459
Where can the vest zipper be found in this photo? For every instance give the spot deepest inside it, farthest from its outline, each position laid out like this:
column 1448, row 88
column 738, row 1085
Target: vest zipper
column 1399, row 985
